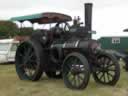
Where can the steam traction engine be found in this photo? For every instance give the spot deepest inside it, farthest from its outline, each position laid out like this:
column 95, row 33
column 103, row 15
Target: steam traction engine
column 65, row 51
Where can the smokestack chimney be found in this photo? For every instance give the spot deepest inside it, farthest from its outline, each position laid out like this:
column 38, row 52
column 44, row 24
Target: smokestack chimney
column 88, row 18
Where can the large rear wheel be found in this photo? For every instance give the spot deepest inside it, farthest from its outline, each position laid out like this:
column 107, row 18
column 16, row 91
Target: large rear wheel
column 29, row 59
column 76, row 71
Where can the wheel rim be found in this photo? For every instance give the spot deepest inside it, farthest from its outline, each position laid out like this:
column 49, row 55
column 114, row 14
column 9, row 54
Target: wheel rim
column 27, row 60
column 106, row 70
column 74, row 72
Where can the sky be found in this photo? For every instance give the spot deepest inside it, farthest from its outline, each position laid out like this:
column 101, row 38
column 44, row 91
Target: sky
column 110, row 17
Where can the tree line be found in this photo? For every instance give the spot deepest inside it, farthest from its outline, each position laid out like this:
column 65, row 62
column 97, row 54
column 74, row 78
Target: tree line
column 9, row 29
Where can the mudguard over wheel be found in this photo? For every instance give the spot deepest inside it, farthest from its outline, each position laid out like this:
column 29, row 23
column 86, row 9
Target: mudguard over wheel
column 107, row 69
column 76, row 71
column 29, row 61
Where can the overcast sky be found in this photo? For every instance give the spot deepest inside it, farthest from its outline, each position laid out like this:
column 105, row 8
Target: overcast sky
column 110, row 17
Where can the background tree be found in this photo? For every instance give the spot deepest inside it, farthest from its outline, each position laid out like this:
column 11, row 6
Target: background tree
column 25, row 31
column 8, row 29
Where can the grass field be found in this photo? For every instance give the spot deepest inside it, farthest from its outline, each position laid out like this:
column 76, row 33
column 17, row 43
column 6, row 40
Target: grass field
column 10, row 85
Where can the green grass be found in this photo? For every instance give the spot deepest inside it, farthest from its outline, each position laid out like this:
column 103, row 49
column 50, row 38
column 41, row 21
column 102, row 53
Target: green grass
column 11, row 85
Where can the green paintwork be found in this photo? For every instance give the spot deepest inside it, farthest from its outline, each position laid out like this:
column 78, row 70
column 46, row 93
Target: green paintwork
column 28, row 17
column 106, row 43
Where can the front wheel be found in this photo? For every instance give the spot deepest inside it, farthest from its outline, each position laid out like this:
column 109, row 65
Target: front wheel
column 76, row 71
column 107, row 69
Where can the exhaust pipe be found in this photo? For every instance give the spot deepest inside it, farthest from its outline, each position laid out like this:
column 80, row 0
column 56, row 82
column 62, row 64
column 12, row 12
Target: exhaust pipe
column 88, row 19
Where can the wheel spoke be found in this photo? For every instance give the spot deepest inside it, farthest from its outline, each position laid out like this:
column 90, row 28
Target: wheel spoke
column 98, row 72
column 72, row 79
column 101, row 76
column 109, row 61
column 111, row 70
column 80, row 78
column 111, row 65
column 104, row 77
column 102, row 60
column 31, row 55
column 30, row 72
column 67, row 69
column 69, row 61
column 75, row 60
column 75, row 81
column 110, row 74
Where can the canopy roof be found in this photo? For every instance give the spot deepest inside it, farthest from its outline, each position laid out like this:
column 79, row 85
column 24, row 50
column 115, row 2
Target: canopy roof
column 42, row 18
